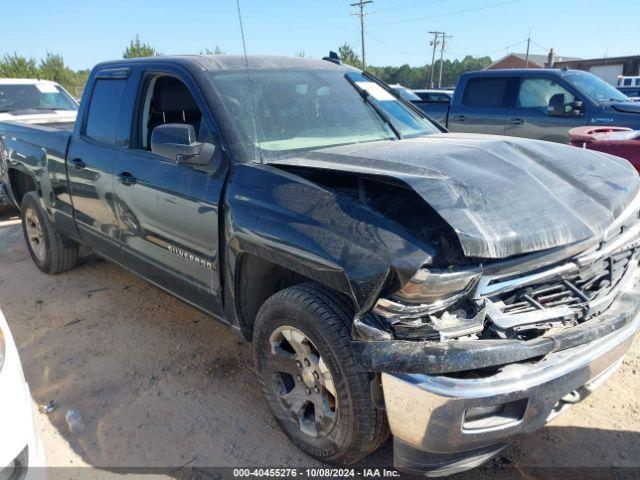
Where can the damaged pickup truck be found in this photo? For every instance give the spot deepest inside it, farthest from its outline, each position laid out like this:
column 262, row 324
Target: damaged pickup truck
column 455, row 289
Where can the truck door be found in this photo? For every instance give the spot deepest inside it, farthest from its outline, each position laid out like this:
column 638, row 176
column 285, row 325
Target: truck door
column 482, row 107
column 90, row 160
column 530, row 116
column 168, row 212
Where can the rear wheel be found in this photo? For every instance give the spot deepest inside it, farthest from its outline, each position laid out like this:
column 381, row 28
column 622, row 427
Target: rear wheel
column 303, row 358
column 49, row 250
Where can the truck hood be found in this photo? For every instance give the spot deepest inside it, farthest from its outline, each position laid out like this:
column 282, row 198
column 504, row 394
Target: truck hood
column 502, row 196
column 35, row 117
column 626, row 107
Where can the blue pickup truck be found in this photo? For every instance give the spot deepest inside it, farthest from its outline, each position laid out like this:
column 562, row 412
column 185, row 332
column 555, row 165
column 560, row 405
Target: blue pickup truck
column 543, row 104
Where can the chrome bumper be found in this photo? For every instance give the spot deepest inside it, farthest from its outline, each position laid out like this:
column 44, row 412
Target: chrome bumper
column 470, row 419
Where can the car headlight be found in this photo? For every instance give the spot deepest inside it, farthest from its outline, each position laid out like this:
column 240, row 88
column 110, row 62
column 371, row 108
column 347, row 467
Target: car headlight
column 427, row 292
column 419, row 308
column 2, row 349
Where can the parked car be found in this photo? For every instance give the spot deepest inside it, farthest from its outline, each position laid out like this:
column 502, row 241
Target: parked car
column 618, row 141
column 540, row 103
column 21, row 453
column 435, row 110
column 434, row 95
column 37, row 102
column 456, row 289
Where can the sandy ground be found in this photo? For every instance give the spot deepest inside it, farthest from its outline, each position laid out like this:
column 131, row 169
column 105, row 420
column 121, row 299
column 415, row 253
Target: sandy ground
column 159, row 384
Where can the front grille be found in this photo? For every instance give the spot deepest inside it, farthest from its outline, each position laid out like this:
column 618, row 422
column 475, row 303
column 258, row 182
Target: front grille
column 575, row 291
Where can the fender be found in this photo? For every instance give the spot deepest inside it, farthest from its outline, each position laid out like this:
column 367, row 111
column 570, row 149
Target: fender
column 324, row 236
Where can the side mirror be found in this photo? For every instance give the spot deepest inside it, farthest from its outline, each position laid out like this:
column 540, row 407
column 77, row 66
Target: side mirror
column 177, row 142
column 556, row 106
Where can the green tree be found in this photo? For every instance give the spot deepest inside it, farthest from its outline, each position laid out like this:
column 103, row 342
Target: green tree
column 17, row 66
column 300, row 54
column 348, row 55
column 137, row 49
column 53, row 68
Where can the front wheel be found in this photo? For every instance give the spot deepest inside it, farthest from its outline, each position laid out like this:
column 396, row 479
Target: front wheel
column 303, row 358
column 49, row 250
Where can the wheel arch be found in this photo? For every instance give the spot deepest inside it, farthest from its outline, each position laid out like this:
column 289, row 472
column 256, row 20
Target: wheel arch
column 21, row 182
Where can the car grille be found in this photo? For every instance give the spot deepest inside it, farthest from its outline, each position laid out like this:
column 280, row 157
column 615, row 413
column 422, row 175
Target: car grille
column 575, row 291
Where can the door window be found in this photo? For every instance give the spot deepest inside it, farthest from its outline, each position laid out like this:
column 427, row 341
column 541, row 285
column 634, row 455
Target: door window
column 485, row 92
column 168, row 100
column 104, row 110
column 537, row 93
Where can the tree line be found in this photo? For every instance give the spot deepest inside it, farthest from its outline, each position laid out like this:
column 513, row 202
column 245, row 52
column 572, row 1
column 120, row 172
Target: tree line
column 417, row 77
column 53, row 67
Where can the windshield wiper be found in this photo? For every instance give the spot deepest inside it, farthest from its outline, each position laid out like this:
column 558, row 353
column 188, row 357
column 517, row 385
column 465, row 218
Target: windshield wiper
column 367, row 98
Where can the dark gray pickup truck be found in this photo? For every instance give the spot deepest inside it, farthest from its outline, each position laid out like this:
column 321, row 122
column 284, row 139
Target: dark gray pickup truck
column 543, row 104
column 454, row 289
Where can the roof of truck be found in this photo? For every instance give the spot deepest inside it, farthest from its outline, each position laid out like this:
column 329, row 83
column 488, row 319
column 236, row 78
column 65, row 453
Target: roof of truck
column 236, row 62
column 23, row 81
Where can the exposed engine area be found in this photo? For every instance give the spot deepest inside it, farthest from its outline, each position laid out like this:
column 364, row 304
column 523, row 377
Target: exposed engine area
column 396, row 201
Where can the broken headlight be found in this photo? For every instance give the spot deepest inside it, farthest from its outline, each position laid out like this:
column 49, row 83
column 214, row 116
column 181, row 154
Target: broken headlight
column 432, row 305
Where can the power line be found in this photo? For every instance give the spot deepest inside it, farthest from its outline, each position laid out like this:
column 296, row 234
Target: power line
column 494, row 5
column 404, row 6
column 361, row 14
column 384, row 44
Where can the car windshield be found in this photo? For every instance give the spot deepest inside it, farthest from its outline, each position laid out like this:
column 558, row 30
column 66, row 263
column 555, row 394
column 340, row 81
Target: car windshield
column 297, row 110
column 39, row 96
column 595, row 88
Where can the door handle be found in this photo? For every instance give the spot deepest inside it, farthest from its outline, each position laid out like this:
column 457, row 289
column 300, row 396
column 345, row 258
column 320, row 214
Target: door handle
column 517, row 121
column 460, row 118
column 77, row 163
column 126, row 179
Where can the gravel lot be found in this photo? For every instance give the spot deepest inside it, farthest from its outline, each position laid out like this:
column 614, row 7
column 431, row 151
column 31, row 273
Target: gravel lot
column 159, row 384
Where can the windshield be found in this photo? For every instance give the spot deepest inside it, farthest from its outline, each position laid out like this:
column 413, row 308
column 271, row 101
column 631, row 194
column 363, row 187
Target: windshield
column 595, row 88
column 40, row 96
column 297, row 110
column 406, row 94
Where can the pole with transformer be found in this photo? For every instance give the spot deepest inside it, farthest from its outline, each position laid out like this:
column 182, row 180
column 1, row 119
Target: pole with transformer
column 434, row 43
column 361, row 14
column 442, row 47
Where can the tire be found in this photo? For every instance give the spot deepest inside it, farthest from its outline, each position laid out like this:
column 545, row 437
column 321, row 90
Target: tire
column 51, row 252
column 348, row 426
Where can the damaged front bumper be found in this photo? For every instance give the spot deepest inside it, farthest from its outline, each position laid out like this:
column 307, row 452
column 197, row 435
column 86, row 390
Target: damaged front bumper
column 445, row 423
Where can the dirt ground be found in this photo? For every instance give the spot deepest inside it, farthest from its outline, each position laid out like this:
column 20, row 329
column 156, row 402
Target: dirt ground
column 159, row 384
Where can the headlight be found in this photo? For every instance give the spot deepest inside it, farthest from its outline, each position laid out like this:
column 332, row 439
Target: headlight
column 427, row 292
column 2, row 349
column 419, row 308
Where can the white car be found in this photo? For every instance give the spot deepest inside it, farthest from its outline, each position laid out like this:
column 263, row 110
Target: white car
column 36, row 101
column 20, row 449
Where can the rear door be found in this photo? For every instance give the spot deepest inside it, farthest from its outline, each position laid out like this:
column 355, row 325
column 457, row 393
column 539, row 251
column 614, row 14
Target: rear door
column 529, row 117
column 91, row 158
column 482, row 107
column 168, row 212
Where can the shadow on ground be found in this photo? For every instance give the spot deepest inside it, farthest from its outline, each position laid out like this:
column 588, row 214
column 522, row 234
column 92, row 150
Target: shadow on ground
column 159, row 384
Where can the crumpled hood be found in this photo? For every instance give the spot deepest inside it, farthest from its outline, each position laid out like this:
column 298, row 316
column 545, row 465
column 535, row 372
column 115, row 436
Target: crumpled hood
column 503, row 196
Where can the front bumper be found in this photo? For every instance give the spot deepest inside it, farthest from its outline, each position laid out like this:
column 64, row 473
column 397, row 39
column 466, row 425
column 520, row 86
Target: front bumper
column 447, row 423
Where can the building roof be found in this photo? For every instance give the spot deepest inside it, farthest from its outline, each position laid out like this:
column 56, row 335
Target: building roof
column 537, row 60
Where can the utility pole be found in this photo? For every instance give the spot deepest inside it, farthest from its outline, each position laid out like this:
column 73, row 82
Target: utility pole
column 361, row 14
column 528, row 45
column 434, row 43
column 442, row 47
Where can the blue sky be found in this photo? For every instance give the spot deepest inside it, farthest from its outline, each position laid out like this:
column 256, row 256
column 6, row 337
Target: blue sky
column 86, row 32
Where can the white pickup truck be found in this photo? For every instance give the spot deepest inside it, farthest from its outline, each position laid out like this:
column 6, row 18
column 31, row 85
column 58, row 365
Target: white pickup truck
column 39, row 102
